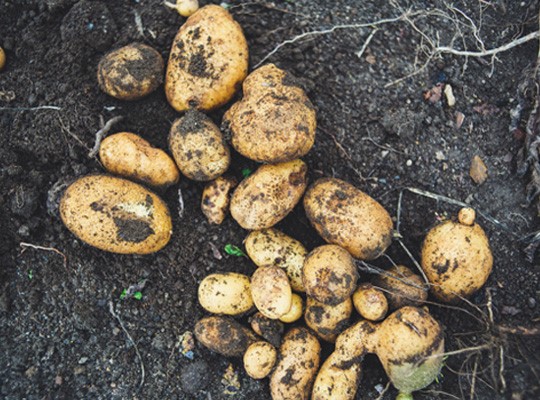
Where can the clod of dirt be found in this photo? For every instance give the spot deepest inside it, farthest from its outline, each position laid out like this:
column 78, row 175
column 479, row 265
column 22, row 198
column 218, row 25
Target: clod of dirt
column 478, row 171
column 195, row 376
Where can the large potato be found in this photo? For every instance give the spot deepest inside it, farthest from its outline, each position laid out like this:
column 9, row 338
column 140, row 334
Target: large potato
column 328, row 321
column 116, row 215
column 215, row 199
column 344, row 215
column 129, row 155
column 270, row 247
column 224, row 336
column 208, row 61
column 271, row 292
column 225, row 293
column 402, row 287
column 259, row 359
column 265, row 197
column 275, row 121
column 198, row 147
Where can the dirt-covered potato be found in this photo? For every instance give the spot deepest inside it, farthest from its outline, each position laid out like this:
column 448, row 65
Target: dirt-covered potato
column 116, row 215
column 266, row 196
column 328, row 321
column 370, row 302
column 259, row 359
column 296, row 311
column 269, row 329
column 456, row 258
column 275, row 121
column 198, row 147
column 225, row 293
column 224, row 336
column 329, row 274
column 130, row 72
column 2, row 59
column 271, row 292
column 406, row 289
column 208, row 61
column 215, row 199
column 299, row 356
column 346, row 216
column 269, row 247
column 131, row 156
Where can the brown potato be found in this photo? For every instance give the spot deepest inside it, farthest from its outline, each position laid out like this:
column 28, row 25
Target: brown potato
column 225, row 293
column 346, row 216
column 266, row 197
column 329, row 274
column 215, row 199
column 131, row 156
column 370, row 302
column 269, row 329
column 406, row 289
column 271, row 292
column 259, row 359
column 275, row 121
column 296, row 311
column 131, row 72
column 328, row 321
column 116, row 215
column 2, row 59
column 224, row 336
column 208, row 61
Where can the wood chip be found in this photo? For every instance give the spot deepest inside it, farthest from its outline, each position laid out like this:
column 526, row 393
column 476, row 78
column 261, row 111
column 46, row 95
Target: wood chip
column 450, row 98
column 478, row 171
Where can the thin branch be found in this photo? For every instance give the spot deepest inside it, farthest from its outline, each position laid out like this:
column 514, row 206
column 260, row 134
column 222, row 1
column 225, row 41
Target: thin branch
column 101, row 133
column 30, row 108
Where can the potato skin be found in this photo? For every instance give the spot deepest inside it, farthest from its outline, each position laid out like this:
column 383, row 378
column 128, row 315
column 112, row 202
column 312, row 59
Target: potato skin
column 224, row 336
column 271, row 292
column 269, row 329
column 198, row 147
column 275, row 121
column 225, row 293
column 370, row 302
column 116, row 215
column 344, row 215
column 2, row 59
column 215, row 199
column 208, row 61
column 130, row 72
column 409, row 290
column 266, row 197
column 259, row 359
column 296, row 311
column 131, row 156
column 328, row 321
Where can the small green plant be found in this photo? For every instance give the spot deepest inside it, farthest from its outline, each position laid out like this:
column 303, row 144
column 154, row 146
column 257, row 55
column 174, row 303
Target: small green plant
column 246, row 172
column 30, row 274
column 234, row 250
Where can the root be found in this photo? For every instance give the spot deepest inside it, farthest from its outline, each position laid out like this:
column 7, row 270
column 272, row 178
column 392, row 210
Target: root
column 33, row 246
column 105, row 128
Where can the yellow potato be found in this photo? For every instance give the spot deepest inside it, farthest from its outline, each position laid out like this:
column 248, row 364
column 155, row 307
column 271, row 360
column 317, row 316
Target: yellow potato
column 208, row 61
column 275, row 121
column 131, row 72
column 265, row 197
column 328, row 321
column 370, row 302
column 116, row 215
column 344, row 215
column 2, row 59
column 215, row 199
column 269, row 247
column 271, row 292
column 198, row 147
column 224, row 336
column 406, row 289
column 131, row 156
column 259, row 359
column 226, row 293
column 269, row 329
column 295, row 313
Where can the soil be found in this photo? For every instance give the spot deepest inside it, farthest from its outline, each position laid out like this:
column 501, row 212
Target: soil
column 59, row 337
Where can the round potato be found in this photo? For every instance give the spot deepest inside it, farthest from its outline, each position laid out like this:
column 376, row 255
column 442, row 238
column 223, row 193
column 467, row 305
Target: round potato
column 370, row 302
column 265, row 197
column 402, row 287
column 328, row 321
column 275, row 121
column 329, row 274
column 226, row 293
column 116, row 215
column 208, row 61
column 271, row 292
column 259, row 359
column 295, row 313
column 215, row 199
column 198, row 147
column 131, row 72
column 2, row 59
column 346, row 216
column 131, row 156
column 224, row 336
column 269, row 329
column 270, row 247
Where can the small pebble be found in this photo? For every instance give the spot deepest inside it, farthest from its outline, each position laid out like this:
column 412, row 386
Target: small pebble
column 83, row 360
column 409, row 163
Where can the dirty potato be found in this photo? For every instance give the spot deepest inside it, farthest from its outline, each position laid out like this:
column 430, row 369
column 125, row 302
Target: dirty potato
column 215, row 199
column 224, row 336
column 328, row 321
column 370, row 302
column 402, row 287
column 271, row 292
column 275, row 121
column 259, row 359
column 295, row 313
column 225, row 293
column 269, row 329
column 2, row 59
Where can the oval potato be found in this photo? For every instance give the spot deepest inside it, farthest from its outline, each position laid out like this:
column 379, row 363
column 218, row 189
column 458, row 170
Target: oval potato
column 370, row 302
column 271, row 292
column 259, row 359
column 225, row 293
column 215, row 199
column 224, row 336
column 402, row 287
column 328, row 321
column 296, row 311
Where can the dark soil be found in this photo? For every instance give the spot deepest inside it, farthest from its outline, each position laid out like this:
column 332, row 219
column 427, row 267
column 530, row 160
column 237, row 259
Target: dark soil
column 59, row 339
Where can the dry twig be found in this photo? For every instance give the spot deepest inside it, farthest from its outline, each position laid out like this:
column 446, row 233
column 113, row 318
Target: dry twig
column 105, row 128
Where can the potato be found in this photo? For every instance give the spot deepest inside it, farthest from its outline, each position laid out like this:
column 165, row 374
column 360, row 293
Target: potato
column 270, row 329
column 296, row 311
column 269, row 247
column 131, row 156
column 344, row 215
column 265, row 197
column 198, row 147
column 185, row 8
column 271, row 292
column 327, row 321
column 130, row 72
column 329, row 274
column 259, row 359
column 226, row 293
column 370, row 302
column 116, row 215
column 215, row 199
column 299, row 356
column 2, row 59
column 224, row 336
column 275, row 121
column 406, row 289
column 456, row 258
column 208, row 61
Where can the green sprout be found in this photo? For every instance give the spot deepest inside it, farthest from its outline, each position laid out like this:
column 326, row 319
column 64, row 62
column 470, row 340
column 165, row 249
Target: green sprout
column 137, row 295
column 234, row 250
column 30, row 274
column 246, row 172
column 123, row 294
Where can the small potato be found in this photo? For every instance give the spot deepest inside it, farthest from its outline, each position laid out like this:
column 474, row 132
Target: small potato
column 370, row 302
column 299, row 356
column 224, row 336
column 215, row 199
column 259, row 359
column 226, row 293
column 271, row 292
column 328, row 321
column 329, row 274
column 266, row 197
column 296, row 311
column 198, row 147
column 116, row 215
column 406, row 289
column 208, row 61
column 269, row 247
column 2, row 59
column 346, row 216
column 131, row 72
column 269, row 329
column 275, row 121
column 131, row 156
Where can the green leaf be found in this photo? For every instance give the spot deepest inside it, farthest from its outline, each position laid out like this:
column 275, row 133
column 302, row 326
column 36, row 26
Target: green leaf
column 30, row 274
column 234, row 250
column 246, row 172
column 123, row 295
column 137, row 295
